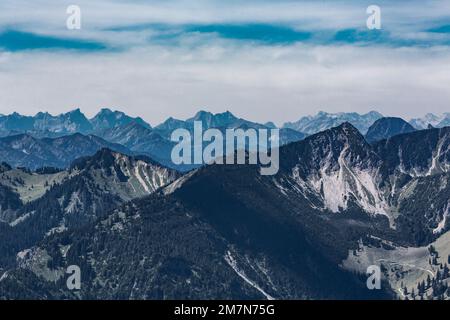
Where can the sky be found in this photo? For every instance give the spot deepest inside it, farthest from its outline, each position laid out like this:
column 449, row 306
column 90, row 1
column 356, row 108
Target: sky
column 262, row 60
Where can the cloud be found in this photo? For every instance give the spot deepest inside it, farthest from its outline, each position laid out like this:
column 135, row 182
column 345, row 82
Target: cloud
column 12, row 40
column 440, row 29
column 107, row 18
column 262, row 60
column 262, row 83
column 266, row 33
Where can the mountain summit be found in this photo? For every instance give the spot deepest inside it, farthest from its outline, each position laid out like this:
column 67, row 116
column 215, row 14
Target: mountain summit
column 211, row 120
column 387, row 127
column 107, row 119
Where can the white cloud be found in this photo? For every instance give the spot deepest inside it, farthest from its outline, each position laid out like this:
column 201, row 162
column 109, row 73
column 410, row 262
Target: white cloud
column 257, row 82
column 50, row 15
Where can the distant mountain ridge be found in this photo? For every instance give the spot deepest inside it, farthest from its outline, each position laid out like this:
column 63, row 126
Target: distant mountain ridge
column 223, row 121
column 47, row 125
column 115, row 128
column 323, row 120
column 437, row 121
column 24, row 150
column 209, row 120
column 44, row 124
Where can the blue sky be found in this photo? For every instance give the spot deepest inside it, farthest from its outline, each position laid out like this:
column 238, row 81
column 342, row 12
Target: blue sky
column 264, row 60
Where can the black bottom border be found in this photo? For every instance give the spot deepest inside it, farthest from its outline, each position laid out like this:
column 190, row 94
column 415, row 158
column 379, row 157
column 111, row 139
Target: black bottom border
column 219, row 309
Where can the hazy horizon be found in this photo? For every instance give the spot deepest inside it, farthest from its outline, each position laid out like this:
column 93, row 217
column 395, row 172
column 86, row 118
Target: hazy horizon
column 93, row 113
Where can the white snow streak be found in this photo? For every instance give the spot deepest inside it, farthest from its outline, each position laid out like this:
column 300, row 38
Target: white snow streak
column 233, row 264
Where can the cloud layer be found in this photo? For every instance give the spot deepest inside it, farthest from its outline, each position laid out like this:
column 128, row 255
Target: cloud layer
column 259, row 59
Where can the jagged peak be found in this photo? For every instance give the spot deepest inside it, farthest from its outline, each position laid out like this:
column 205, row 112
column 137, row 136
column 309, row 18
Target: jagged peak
column 76, row 111
column 201, row 115
column 343, row 135
column 227, row 113
column 105, row 111
column 17, row 115
column 106, row 157
column 107, row 118
column 347, row 128
column 43, row 114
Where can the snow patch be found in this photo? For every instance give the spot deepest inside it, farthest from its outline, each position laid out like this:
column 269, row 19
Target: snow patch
column 337, row 187
column 74, row 201
column 21, row 219
column 139, row 178
column 233, row 264
column 4, row 276
column 442, row 223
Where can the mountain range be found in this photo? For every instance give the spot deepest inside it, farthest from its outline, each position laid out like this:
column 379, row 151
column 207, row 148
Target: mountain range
column 32, row 141
column 324, row 120
column 437, row 121
column 112, row 129
column 25, row 150
column 139, row 230
column 45, row 124
column 341, row 201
